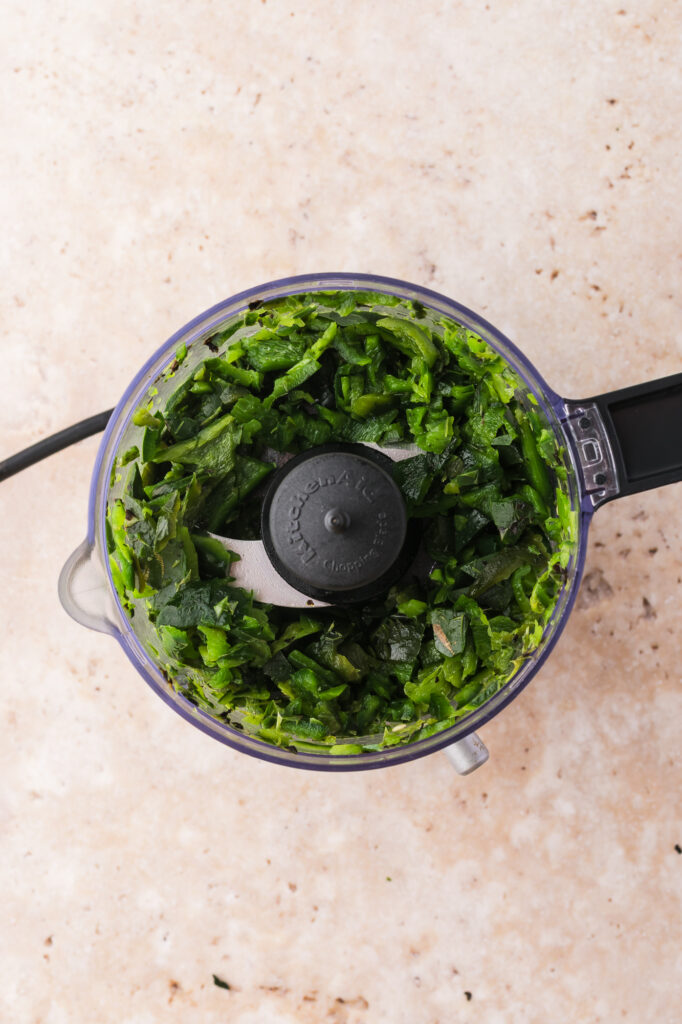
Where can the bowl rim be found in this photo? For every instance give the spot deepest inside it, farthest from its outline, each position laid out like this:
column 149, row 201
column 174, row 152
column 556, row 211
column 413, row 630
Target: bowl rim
column 549, row 401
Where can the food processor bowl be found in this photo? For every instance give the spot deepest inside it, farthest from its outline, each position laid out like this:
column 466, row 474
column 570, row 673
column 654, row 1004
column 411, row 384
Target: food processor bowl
column 583, row 430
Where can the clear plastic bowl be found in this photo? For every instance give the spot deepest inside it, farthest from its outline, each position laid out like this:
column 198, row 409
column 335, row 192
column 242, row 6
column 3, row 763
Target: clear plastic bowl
column 88, row 594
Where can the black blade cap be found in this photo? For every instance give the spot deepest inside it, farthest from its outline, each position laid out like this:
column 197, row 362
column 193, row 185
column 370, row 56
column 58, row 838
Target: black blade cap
column 334, row 523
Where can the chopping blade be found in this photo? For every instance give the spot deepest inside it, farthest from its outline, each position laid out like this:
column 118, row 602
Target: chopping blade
column 254, row 569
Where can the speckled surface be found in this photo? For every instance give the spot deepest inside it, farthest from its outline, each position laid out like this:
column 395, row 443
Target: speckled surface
column 522, row 157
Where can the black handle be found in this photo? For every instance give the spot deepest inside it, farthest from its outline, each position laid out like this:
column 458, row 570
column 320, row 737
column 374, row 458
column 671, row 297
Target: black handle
column 644, row 427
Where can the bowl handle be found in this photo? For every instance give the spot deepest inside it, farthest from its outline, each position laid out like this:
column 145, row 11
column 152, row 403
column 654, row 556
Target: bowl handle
column 84, row 590
column 468, row 754
column 629, row 440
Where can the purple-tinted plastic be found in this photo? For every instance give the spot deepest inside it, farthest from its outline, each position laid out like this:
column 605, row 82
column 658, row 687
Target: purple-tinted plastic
column 549, row 401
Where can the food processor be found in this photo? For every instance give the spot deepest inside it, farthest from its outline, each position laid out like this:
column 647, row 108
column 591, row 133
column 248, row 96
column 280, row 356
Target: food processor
column 612, row 445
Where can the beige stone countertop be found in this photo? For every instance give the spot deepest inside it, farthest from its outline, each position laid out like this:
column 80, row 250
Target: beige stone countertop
column 521, row 156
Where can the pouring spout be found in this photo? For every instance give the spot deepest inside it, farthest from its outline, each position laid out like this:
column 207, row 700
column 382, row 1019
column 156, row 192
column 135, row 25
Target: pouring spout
column 84, row 590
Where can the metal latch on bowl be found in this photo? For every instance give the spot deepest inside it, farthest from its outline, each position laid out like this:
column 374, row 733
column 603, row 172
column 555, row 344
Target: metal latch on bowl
column 468, row 754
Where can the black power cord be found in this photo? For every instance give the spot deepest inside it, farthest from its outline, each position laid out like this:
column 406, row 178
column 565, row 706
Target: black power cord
column 54, row 443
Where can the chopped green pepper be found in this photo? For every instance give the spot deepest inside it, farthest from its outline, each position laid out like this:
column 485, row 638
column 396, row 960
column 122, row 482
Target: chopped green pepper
column 489, row 489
